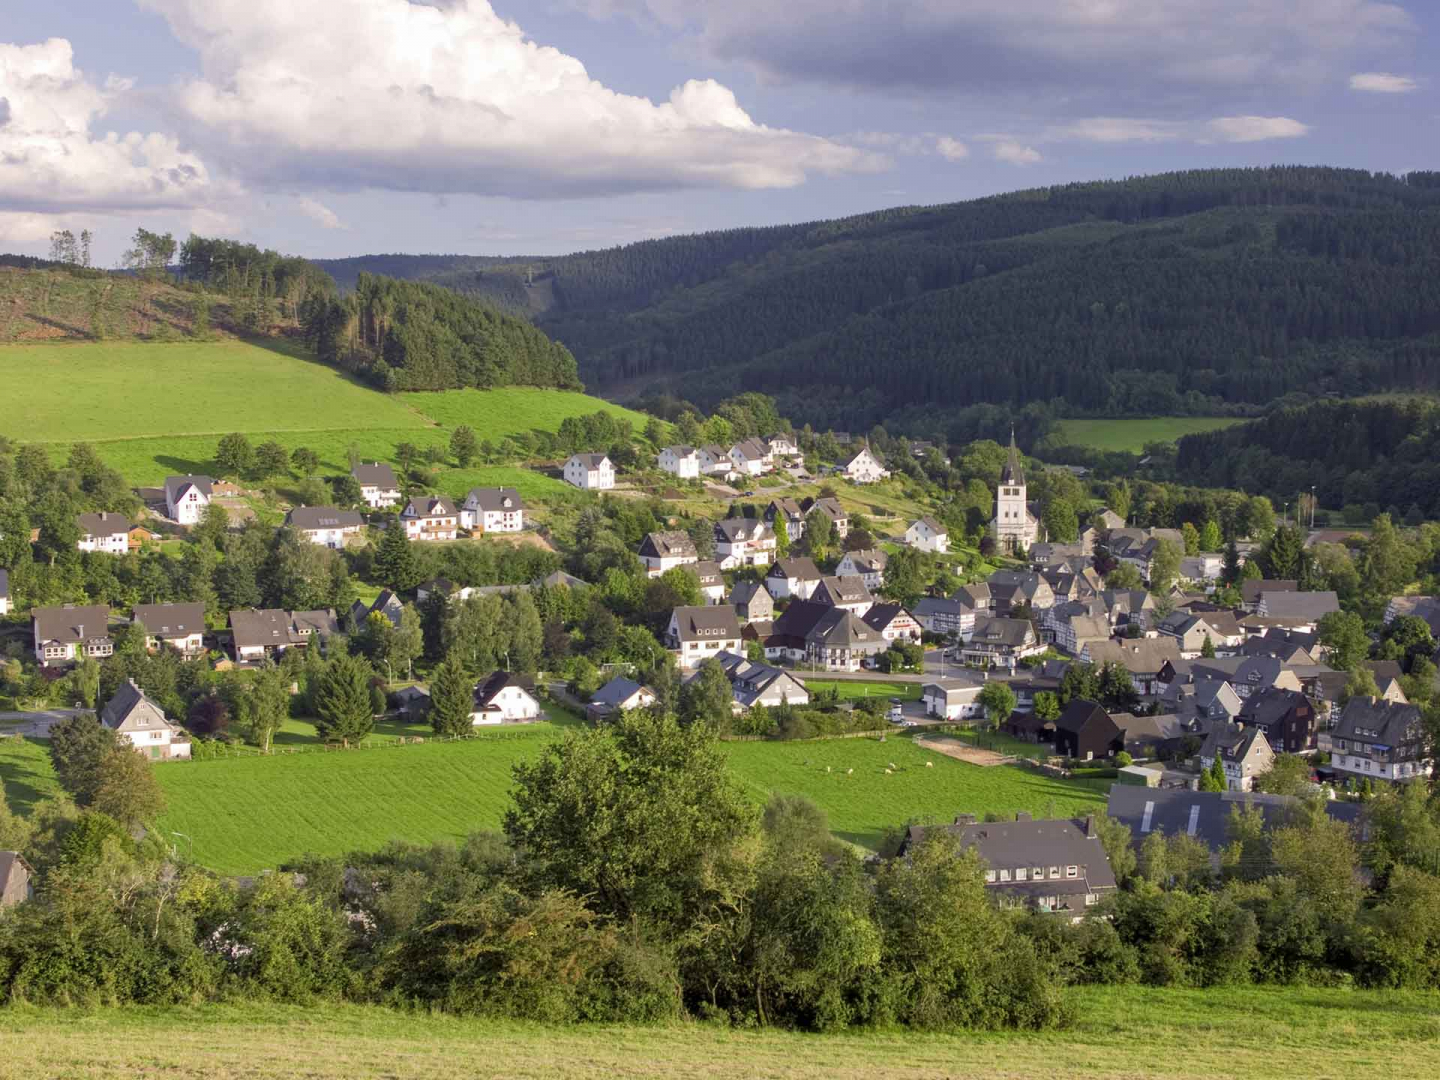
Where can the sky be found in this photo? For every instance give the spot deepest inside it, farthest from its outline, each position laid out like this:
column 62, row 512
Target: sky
column 328, row 128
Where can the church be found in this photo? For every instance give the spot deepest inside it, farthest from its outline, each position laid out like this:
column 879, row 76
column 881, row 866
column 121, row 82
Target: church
column 1015, row 526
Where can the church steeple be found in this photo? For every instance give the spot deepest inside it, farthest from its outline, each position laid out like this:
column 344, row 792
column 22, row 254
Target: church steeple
column 1013, row 474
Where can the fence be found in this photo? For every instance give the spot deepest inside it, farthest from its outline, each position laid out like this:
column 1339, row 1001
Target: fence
column 877, row 733
column 217, row 751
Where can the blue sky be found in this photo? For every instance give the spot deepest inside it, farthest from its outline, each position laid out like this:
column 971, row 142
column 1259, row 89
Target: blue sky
column 338, row 127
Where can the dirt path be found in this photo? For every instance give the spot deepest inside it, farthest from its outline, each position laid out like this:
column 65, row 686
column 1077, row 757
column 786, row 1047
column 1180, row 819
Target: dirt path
column 944, row 744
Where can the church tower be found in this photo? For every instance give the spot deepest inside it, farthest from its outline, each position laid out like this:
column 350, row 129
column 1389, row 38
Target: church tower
column 1014, row 524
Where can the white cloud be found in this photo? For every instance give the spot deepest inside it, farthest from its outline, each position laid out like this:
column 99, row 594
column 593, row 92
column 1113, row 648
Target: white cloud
column 1379, row 82
column 951, row 149
column 320, row 213
column 390, row 94
column 1115, row 129
column 1243, row 129
column 1016, row 153
column 52, row 160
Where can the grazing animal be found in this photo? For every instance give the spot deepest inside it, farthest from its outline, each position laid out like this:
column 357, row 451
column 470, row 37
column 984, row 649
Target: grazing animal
column 929, row 764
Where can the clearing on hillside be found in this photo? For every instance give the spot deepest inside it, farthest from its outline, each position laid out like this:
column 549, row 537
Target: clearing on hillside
column 157, row 409
column 1132, row 435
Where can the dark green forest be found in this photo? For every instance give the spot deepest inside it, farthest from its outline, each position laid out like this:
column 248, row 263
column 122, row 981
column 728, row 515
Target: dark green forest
column 1194, row 292
column 1382, row 452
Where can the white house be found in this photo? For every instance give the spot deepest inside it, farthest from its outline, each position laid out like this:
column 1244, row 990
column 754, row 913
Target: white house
column 501, row 699
column 662, row 551
column 864, row 468
column 699, row 633
column 593, row 472
column 103, row 532
column 868, row 565
column 782, row 446
column 140, row 722
column 186, row 497
column 177, row 626
column 378, row 486
column 751, row 457
column 64, row 634
column 952, row 699
column 1244, row 754
column 793, row 578
column 619, row 695
column 430, row 517
column 927, row 534
column 743, row 542
column 715, row 461
column 681, row 461
column 325, row 525
column 492, row 510
column 1204, row 569
column 1380, row 739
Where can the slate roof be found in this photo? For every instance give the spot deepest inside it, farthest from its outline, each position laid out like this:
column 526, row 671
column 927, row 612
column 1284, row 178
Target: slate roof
column 869, row 560
column 1205, row 814
column 130, row 703
column 323, row 517
column 931, row 524
column 102, row 524
column 174, row 485
column 1014, row 633
column 1231, row 741
column 843, row 590
column 430, row 506
column 1141, row 656
column 802, row 568
column 1300, row 605
column 590, row 461
column 1252, row 588
column 1028, row 843
column 1378, row 722
column 708, row 571
column 377, row 474
column 615, row 692
column 495, row 500
column 170, row 620
column 668, row 545
column 71, row 625
column 1013, row 474
column 746, row 591
column 706, row 623
column 488, row 690
column 274, row 628
column 930, row 606
column 830, row 506
column 1080, row 714
column 882, row 615
column 733, row 530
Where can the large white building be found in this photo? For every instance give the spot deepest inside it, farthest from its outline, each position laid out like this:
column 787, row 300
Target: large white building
column 491, row 510
column 186, row 497
column 137, row 720
column 927, row 534
column 681, row 461
column 1015, row 524
column 103, row 532
column 864, row 468
column 378, row 486
column 325, row 525
column 593, row 472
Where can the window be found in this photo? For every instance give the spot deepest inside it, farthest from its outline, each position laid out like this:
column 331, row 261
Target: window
column 1038, row 873
column 1071, row 871
column 1054, row 871
column 1090, row 898
column 1004, row 875
column 1020, row 873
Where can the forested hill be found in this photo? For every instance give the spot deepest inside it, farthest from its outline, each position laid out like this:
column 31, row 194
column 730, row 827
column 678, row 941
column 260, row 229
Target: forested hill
column 1196, row 292
column 1370, row 455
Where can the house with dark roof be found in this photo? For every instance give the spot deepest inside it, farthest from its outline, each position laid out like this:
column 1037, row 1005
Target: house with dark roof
column 1252, row 590
column 1243, row 751
column 1010, row 589
column 927, row 534
column 1291, row 647
column 1129, row 607
column 752, row 602
column 976, row 598
column 863, row 467
column 143, row 724
column 680, row 461
column 176, row 626
column 1297, row 610
column 186, row 497
column 64, row 634
column 893, row 622
column 997, row 642
column 953, row 699
column 751, row 457
column 1084, row 731
column 259, row 634
column 1287, row 718
column 755, row 684
column 793, row 579
column 1381, row 740
column 104, row 532
column 848, row 593
column 1192, row 630
column 1056, row 866
column 937, row 615
column 1143, row 658
column 430, row 517
column 1149, row 736
column 743, row 542
column 831, row 508
column 1206, row 815
column 715, row 461
column 662, row 551
column 590, row 472
column 619, row 695
column 822, row 636
column 387, row 603
column 505, row 698
column 697, row 633
column 868, row 564
column 15, row 875
column 493, row 510
column 712, row 581
column 1200, row 703
column 7, row 603
column 788, row 511
column 325, row 525
column 378, row 486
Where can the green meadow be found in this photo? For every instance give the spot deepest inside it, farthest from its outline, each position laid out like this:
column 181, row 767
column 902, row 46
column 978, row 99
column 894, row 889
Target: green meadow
column 1132, row 435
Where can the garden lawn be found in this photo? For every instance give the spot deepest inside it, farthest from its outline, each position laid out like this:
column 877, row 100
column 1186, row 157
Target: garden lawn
column 1134, row 1032
column 511, row 410
column 25, row 772
column 864, row 804
column 858, row 688
column 1133, row 434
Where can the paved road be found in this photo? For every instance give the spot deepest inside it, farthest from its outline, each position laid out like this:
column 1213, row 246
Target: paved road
column 34, row 724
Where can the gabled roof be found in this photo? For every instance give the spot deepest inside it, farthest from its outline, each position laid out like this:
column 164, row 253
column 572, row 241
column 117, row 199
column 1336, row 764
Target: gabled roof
column 1028, row 843
column 929, row 606
column 789, row 507
column 616, row 692
column 1377, row 721
column 740, row 529
column 842, row 590
column 170, row 620
column 708, row 571
column 746, row 592
column 1142, row 656
column 429, row 506
column 831, row 506
column 882, row 615
column 668, row 545
column 706, row 623
column 274, row 628
column 752, row 449
column 931, row 524
column 175, row 485
column 1300, row 605
column 102, row 524
column 1252, row 588
column 309, row 518
column 680, row 451
column 802, row 568
column 591, row 461
column 130, row 708
column 864, row 451
column 1232, row 742
column 868, row 560
column 1012, row 633
column 1081, row 715
column 377, row 474
column 1270, row 706
column 489, row 690
column 71, row 625
column 495, row 500
column 1205, row 815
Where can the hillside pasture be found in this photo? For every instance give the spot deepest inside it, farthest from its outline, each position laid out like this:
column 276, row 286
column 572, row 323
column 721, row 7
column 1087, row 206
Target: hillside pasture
column 1261, row 1033
column 1132, row 434
column 865, row 804
column 157, row 409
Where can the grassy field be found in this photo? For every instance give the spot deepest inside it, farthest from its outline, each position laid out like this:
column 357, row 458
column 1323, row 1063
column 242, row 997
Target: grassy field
column 859, row 688
column 25, row 772
column 1131, row 1032
column 157, row 409
column 867, row 802
column 1132, row 435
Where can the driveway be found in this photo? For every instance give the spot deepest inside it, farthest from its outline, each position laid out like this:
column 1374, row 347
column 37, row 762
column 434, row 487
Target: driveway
column 34, row 724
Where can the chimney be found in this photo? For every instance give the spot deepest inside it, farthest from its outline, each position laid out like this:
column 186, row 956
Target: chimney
column 1023, row 815
column 1090, row 832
